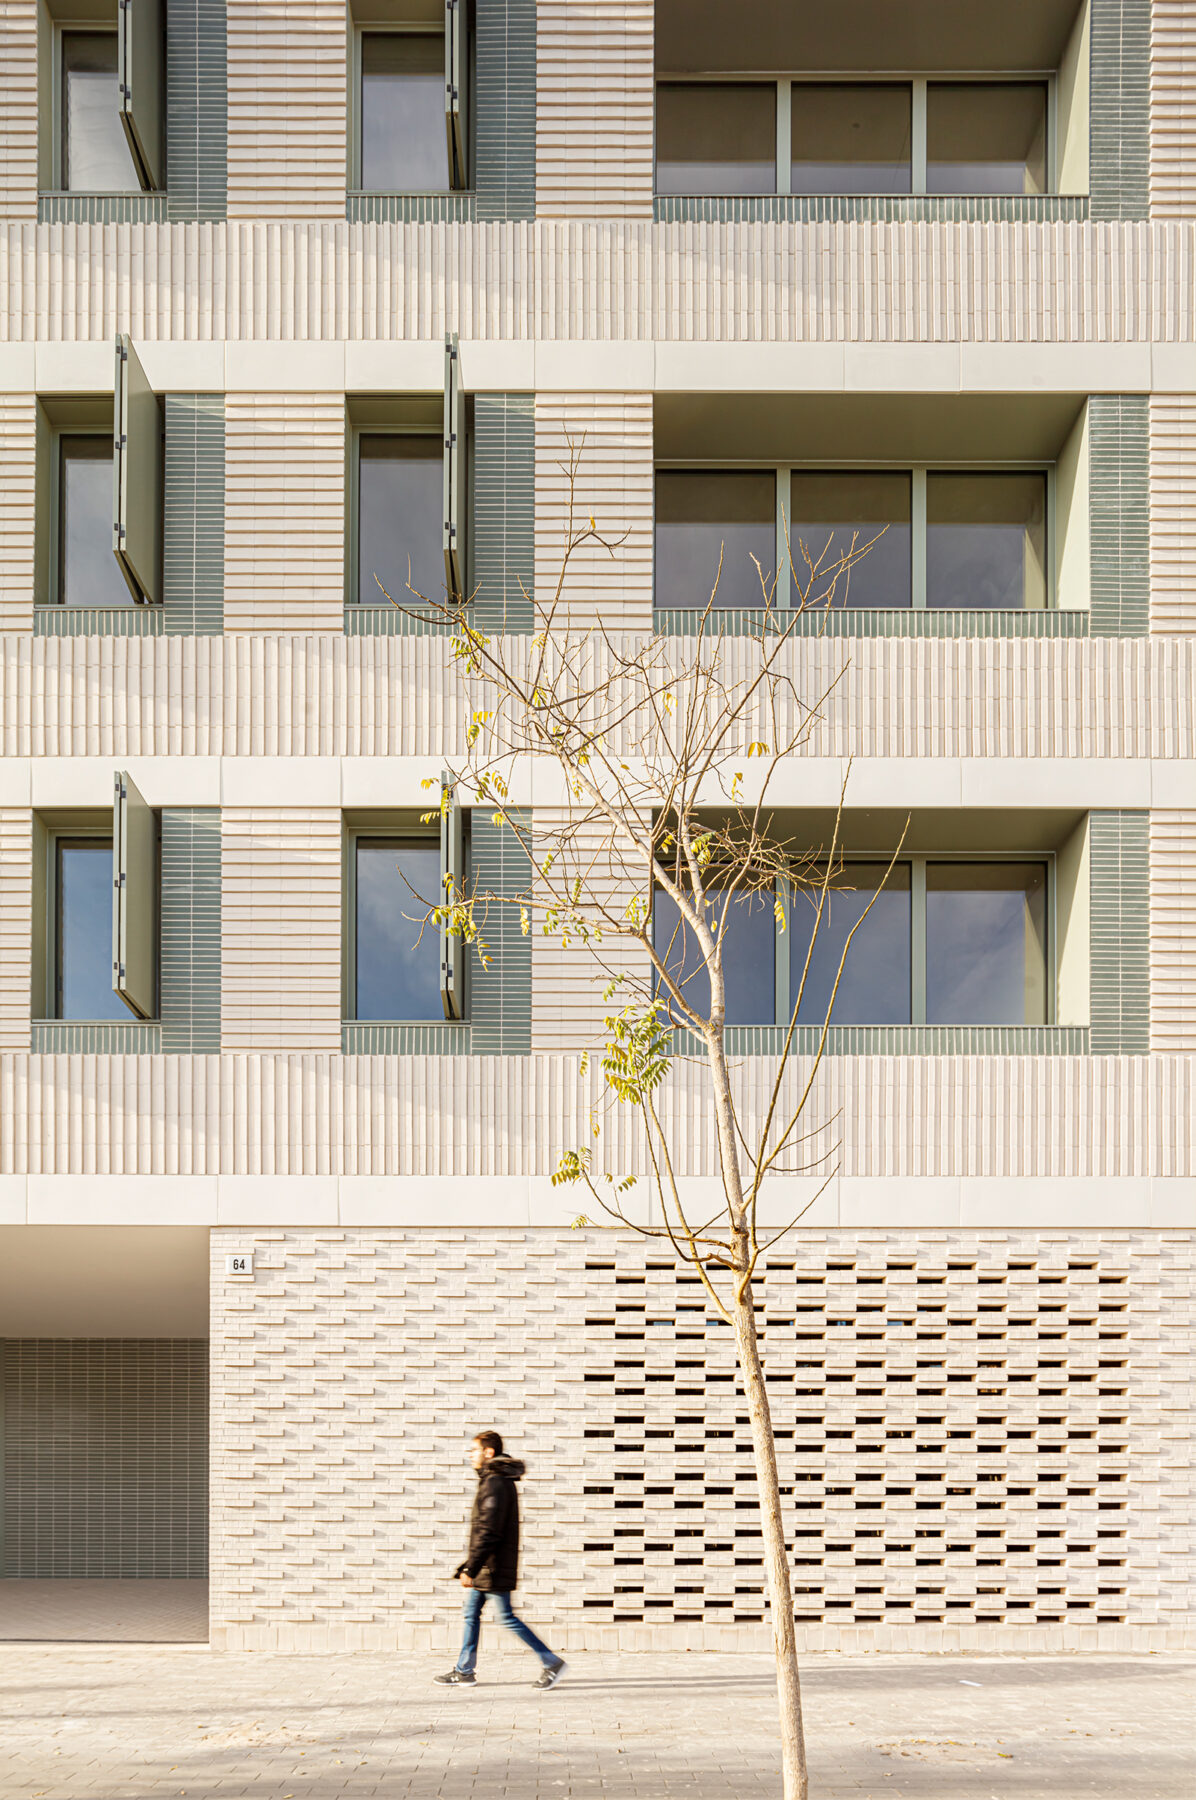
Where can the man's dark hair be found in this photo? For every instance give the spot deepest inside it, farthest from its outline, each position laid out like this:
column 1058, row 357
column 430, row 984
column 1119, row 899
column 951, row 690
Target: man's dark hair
column 489, row 1440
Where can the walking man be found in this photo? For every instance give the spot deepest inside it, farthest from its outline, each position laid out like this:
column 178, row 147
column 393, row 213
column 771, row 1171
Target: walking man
column 492, row 1562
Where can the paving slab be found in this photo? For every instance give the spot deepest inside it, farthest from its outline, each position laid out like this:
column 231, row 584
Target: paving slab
column 118, row 1722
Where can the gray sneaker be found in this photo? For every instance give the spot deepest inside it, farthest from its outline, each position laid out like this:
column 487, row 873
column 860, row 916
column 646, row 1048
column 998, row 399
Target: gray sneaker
column 455, row 1678
column 550, row 1676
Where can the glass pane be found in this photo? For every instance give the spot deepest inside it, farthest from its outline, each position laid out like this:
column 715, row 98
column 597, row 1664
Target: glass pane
column 716, row 138
column 88, row 574
column 986, row 943
column 400, row 518
column 749, row 957
column 875, row 985
column 404, row 147
column 702, row 514
column 397, row 974
column 986, row 139
column 986, row 540
column 850, row 140
column 95, row 151
column 84, row 934
column 850, row 538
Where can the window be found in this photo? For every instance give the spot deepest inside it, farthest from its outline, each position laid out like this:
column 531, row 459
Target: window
column 104, row 131
column 404, row 148
column 850, row 139
column 93, row 147
column 855, row 137
column 95, row 950
column 749, row 955
column 83, row 930
column 400, row 524
column 946, row 942
column 986, row 139
column 87, row 572
column 986, row 540
column 716, row 138
column 395, row 962
column 859, row 538
column 701, row 515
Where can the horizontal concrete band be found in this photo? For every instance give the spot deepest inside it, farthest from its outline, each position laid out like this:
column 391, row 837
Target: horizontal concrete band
column 364, row 781
column 494, row 1202
column 584, row 365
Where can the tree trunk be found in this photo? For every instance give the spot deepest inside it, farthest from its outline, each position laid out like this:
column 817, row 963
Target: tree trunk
column 776, row 1553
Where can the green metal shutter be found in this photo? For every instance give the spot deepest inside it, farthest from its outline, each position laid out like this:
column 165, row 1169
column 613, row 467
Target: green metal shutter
column 1119, row 862
column 504, row 109
column 193, row 532
column 1119, row 509
column 502, row 499
column 1120, row 109
column 190, row 930
column 197, row 109
column 141, row 67
column 500, row 997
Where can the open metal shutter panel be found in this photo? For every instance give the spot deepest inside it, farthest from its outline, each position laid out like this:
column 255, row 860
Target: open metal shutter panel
column 134, row 909
column 454, row 92
column 452, row 871
column 454, row 472
column 137, row 476
column 141, row 75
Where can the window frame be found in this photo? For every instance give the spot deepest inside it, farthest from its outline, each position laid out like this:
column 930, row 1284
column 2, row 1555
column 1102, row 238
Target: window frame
column 916, row 862
column 56, row 837
column 54, row 596
column 396, row 824
column 917, row 82
column 49, row 835
column 405, row 28
column 918, row 472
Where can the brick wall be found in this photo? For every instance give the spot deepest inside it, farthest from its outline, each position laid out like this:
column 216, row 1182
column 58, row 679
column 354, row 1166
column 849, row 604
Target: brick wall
column 981, row 1438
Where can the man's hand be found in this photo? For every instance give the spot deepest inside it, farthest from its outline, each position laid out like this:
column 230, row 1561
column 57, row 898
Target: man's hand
column 466, row 1580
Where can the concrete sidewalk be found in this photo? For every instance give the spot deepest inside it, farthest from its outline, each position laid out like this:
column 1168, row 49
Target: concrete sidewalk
column 86, row 1722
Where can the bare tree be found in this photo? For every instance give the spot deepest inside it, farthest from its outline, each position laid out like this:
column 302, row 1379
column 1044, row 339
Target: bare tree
column 664, row 754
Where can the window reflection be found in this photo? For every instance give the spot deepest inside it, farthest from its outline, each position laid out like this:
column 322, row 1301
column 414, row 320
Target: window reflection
column 986, row 943
column 702, row 514
column 749, row 956
column 850, row 139
column 400, row 505
column 88, row 573
column 404, row 147
column 95, row 151
column 83, row 938
column 986, row 540
column 396, row 974
column 986, row 138
column 874, row 988
column 861, row 516
column 716, row 138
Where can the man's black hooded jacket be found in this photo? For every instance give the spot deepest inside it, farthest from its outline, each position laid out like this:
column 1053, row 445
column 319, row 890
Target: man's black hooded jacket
column 492, row 1559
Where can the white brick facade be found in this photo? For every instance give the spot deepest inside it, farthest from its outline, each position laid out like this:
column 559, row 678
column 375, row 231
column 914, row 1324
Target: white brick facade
column 977, row 1341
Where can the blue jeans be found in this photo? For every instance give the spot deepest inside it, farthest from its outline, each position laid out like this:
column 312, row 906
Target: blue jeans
column 475, row 1599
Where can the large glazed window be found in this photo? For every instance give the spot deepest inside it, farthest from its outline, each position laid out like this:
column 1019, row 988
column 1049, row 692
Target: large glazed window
column 395, row 964
column 875, row 985
column 749, row 955
column 986, row 138
column 850, row 537
column 404, row 147
column 88, row 573
column 986, row 540
column 705, row 514
column 94, row 149
column 850, row 139
column 986, row 937
column 716, row 138
column 400, row 522
column 83, row 931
